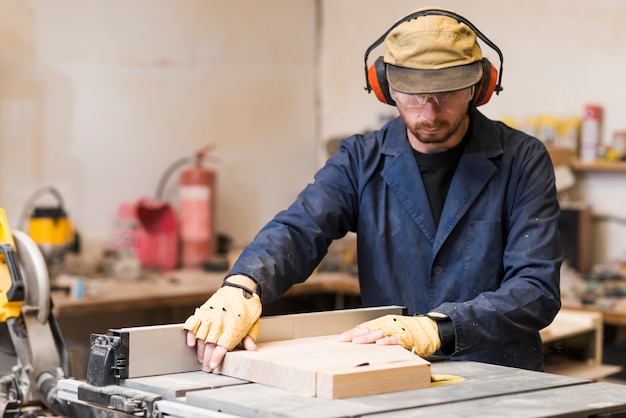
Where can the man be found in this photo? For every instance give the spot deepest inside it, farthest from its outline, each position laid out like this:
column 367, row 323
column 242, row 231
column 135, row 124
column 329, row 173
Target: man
column 456, row 217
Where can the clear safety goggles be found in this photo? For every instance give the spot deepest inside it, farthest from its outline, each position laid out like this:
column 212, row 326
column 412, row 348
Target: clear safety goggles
column 443, row 99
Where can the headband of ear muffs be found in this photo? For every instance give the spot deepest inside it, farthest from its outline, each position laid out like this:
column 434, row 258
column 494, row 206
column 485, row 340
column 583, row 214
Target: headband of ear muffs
column 376, row 75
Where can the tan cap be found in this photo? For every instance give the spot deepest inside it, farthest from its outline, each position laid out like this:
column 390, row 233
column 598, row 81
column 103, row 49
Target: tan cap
column 431, row 54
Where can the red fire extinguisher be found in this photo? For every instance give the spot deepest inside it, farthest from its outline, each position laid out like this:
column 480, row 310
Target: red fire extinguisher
column 197, row 211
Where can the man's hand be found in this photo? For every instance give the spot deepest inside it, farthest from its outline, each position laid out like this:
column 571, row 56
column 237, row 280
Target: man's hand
column 419, row 334
column 210, row 354
column 229, row 317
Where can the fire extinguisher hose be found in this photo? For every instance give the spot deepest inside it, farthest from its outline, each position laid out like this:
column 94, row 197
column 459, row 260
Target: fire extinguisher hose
column 168, row 173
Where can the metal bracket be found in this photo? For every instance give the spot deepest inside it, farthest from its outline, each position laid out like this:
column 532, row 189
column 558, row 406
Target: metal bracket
column 108, row 359
column 130, row 401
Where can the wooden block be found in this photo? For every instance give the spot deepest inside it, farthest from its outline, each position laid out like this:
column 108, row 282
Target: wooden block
column 324, row 367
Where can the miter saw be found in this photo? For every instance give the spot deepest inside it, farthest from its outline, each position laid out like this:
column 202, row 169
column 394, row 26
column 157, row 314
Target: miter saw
column 29, row 332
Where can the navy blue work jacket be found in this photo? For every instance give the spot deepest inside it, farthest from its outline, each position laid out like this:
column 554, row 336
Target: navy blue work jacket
column 492, row 265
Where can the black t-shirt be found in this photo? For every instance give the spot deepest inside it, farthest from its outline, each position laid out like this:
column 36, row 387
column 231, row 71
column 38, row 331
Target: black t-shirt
column 437, row 170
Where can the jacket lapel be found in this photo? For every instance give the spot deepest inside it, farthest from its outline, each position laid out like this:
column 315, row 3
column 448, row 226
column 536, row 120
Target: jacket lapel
column 403, row 178
column 472, row 174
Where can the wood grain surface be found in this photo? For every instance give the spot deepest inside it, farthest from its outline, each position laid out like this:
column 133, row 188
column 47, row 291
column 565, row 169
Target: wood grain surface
column 324, row 367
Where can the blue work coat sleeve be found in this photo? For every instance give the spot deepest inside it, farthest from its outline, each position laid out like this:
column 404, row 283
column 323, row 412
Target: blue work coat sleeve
column 289, row 247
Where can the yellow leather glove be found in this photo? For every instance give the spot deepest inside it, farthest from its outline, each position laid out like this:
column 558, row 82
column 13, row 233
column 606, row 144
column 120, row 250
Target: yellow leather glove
column 419, row 334
column 226, row 318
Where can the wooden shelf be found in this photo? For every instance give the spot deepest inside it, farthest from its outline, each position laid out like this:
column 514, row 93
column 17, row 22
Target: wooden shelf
column 562, row 156
column 616, row 166
column 576, row 332
column 579, row 370
column 610, row 316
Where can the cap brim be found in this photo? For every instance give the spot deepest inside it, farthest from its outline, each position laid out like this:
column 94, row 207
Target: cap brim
column 409, row 80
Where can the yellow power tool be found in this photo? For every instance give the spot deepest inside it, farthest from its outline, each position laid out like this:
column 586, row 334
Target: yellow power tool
column 50, row 227
column 28, row 331
column 11, row 284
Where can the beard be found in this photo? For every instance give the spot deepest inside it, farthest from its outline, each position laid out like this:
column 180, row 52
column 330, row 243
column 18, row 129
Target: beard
column 440, row 130
column 444, row 132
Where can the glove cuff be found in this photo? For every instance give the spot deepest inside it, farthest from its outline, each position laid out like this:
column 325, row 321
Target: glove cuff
column 248, row 291
column 445, row 328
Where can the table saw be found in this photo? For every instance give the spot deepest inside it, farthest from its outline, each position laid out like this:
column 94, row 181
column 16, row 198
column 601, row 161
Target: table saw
column 150, row 372
column 143, row 372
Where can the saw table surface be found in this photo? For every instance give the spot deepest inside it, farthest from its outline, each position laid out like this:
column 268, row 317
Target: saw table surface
column 486, row 391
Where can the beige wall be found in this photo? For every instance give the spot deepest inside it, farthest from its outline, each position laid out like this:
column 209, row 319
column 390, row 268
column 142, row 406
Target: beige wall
column 97, row 98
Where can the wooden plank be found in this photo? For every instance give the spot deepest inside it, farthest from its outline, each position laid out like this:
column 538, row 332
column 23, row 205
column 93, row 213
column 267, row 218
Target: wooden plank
column 173, row 355
column 327, row 368
column 373, row 379
column 287, row 327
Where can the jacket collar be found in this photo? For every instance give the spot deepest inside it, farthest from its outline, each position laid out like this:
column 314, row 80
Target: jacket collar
column 473, row 172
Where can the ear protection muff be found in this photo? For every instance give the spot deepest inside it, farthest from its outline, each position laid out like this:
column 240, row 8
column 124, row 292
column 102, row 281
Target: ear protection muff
column 376, row 75
column 487, row 85
column 377, row 81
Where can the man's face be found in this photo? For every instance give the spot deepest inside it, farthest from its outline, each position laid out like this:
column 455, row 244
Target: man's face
column 435, row 122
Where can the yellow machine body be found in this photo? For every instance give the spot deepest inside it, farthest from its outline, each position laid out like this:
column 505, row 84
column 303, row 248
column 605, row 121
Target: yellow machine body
column 54, row 234
column 51, row 228
column 11, row 283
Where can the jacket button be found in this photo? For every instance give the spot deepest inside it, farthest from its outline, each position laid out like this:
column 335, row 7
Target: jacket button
column 438, row 270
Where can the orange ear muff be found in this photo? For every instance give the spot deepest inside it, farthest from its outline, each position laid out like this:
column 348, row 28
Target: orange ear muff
column 377, row 78
column 486, row 86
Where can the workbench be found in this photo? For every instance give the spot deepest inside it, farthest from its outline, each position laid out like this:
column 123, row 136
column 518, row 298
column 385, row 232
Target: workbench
column 172, row 289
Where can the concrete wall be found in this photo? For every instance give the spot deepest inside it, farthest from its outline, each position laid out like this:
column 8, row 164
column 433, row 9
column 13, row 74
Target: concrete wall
column 97, row 98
